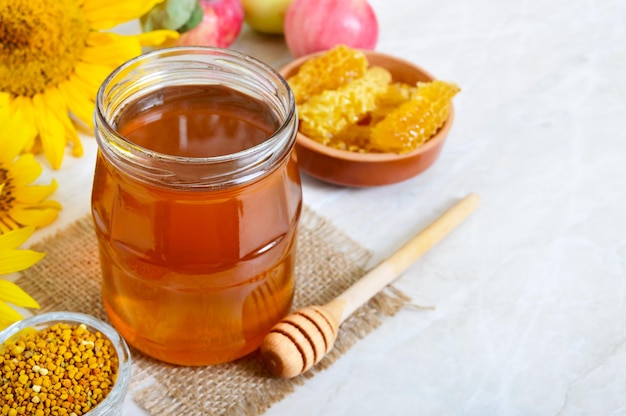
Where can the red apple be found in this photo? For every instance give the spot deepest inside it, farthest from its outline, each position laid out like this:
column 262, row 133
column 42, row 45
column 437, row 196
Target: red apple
column 316, row 25
column 220, row 25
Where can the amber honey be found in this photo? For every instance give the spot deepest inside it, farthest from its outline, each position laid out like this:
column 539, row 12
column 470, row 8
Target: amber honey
column 197, row 257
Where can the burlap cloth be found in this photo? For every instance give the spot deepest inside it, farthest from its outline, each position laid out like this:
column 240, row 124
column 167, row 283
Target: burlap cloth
column 68, row 278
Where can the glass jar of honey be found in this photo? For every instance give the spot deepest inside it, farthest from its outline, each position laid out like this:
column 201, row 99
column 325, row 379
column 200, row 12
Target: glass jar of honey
column 196, row 201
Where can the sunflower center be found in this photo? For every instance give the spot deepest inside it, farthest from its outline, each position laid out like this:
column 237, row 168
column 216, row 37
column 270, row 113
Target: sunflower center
column 40, row 43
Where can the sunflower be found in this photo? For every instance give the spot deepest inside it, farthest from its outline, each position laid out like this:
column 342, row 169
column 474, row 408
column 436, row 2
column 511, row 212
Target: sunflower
column 22, row 204
column 13, row 260
column 53, row 57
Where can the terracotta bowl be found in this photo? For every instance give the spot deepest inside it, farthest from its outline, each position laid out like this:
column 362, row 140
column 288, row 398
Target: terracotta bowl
column 369, row 169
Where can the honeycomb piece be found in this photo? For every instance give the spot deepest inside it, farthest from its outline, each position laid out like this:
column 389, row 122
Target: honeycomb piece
column 329, row 71
column 326, row 114
column 415, row 121
column 354, row 138
column 397, row 94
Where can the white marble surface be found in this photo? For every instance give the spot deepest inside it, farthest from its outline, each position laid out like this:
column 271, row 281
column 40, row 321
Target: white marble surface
column 528, row 296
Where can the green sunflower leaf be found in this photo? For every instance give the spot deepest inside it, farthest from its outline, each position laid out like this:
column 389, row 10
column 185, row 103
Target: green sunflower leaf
column 194, row 20
column 171, row 14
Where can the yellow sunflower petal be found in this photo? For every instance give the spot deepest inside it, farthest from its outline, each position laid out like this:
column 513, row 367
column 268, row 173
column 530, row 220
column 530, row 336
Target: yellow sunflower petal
column 24, row 170
column 5, row 110
column 16, row 130
column 18, row 260
column 89, row 77
column 110, row 49
column 55, row 99
column 14, row 239
column 104, row 14
column 51, row 130
column 13, row 139
column 12, row 293
column 78, row 101
column 157, row 37
column 8, row 315
column 72, row 137
column 49, row 203
column 34, row 194
column 38, row 215
column 84, row 85
column 23, row 116
column 10, row 147
column 7, row 224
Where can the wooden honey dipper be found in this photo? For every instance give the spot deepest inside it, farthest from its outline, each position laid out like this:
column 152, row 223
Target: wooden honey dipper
column 303, row 338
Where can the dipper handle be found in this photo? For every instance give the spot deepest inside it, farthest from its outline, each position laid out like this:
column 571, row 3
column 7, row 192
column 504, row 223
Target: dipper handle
column 304, row 337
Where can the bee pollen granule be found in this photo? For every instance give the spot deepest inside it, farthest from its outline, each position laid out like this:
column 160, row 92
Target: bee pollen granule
column 64, row 369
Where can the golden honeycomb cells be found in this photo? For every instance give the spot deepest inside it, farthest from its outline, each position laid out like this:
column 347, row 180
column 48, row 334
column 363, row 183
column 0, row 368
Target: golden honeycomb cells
column 329, row 71
column 397, row 93
column 353, row 138
column 326, row 114
column 417, row 120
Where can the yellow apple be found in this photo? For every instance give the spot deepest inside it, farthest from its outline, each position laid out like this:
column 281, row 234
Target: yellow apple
column 266, row 16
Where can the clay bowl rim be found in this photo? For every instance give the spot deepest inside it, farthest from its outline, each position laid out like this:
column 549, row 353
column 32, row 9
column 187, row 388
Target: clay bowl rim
column 364, row 157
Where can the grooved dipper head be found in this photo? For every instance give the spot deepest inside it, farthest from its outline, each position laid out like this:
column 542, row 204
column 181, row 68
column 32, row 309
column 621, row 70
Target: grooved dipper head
column 299, row 341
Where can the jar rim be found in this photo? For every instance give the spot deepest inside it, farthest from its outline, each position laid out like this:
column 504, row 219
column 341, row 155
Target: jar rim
column 128, row 144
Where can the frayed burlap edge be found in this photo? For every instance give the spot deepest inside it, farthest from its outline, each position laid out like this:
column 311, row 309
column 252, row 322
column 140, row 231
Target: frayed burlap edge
column 328, row 262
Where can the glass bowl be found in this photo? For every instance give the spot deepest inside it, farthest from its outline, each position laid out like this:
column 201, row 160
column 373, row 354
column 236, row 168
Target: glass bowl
column 113, row 402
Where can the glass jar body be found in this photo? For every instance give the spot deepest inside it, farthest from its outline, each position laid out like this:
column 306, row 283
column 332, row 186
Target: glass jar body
column 197, row 254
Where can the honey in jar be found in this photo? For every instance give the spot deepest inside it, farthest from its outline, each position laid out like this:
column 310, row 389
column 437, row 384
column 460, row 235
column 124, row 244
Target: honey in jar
column 196, row 201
